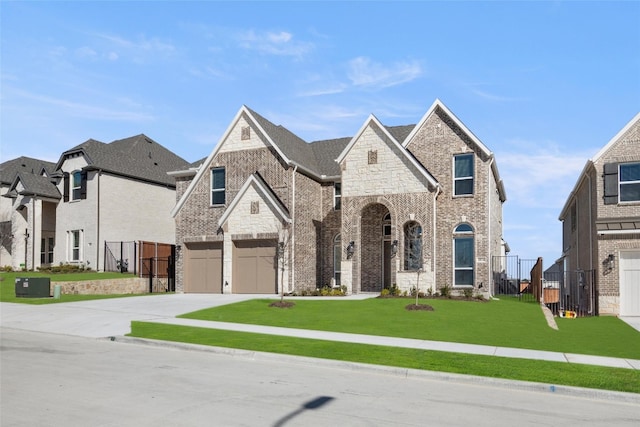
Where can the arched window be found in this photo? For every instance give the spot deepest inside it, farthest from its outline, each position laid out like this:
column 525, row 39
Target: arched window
column 463, row 255
column 412, row 246
column 386, row 227
column 337, row 258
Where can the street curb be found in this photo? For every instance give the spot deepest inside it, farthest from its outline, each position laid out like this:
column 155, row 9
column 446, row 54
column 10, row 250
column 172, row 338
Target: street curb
column 633, row 398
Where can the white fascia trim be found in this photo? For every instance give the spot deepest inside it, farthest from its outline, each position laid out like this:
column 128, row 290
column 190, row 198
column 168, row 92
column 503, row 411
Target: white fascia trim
column 373, row 120
column 179, row 174
column 430, row 111
column 261, row 189
column 616, row 138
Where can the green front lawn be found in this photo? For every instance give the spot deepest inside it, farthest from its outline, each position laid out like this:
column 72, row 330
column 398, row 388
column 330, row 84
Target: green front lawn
column 504, row 323
column 8, row 287
column 552, row 373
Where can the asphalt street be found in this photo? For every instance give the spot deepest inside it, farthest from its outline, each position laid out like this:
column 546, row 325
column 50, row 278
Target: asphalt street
column 51, row 379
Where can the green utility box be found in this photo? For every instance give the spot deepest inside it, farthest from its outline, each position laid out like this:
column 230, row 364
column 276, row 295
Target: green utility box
column 33, row 287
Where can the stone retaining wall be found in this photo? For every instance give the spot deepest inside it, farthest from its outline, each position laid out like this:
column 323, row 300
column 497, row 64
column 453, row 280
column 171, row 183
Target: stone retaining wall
column 133, row 285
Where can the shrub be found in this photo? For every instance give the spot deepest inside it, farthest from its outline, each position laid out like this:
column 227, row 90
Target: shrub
column 468, row 293
column 445, row 291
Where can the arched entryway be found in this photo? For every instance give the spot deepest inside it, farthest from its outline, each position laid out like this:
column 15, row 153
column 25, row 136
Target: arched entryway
column 376, row 235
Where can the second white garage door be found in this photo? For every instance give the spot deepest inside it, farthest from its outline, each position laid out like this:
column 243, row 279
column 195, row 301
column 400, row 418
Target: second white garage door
column 629, row 283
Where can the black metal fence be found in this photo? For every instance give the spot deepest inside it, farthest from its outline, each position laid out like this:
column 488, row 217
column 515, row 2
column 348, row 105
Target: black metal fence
column 512, row 276
column 570, row 293
column 161, row 273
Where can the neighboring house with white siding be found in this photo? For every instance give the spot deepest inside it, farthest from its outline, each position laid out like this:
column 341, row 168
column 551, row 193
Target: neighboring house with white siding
column 96, row 193
column 388, row 206
column 601, row 223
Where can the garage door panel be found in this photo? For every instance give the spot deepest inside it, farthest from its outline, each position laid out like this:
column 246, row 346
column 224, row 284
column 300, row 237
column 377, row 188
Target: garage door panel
column 255, row 267
column 630, row 283
column 203, row 267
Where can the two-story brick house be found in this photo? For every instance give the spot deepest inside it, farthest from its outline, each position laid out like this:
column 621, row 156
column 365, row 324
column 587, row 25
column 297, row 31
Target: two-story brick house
column 390, row 205
column 601, row 223
column 97, row 192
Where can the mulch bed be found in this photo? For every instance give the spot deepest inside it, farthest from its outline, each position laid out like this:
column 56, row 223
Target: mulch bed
column 282, row 304
column 423, row 307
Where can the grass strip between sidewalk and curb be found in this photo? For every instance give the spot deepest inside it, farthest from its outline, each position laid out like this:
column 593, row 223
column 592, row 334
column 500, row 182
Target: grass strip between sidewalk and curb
column 577, row 375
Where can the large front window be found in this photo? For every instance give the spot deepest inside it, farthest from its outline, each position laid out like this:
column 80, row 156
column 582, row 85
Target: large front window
column 217, row 186
column 630, row 182
column 412, row 246
column 463, row 174
column 463, row 255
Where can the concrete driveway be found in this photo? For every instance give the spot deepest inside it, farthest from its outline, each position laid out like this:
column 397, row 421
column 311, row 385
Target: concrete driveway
column 107, row 317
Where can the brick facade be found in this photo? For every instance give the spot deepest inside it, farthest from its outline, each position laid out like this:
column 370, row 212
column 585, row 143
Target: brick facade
column 409, row 182
column 586, row 219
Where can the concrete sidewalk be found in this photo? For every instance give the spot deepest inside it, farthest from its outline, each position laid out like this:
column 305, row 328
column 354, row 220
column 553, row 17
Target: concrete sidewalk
column 112, row 318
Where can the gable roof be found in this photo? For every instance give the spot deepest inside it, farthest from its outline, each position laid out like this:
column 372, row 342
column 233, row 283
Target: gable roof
column 372, row 120
column 34, row 185
column 256, row 181
column 10, row 169
column 138, row 157
column 595, row 158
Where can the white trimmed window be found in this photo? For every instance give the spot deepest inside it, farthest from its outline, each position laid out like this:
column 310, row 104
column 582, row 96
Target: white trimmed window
column 217, row 186
column 412, row 246
column 337, row 196
column 463, row 255
column 630, row 182
column 75, row 245
column 463, row 174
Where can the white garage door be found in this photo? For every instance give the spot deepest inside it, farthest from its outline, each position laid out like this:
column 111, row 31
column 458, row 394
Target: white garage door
column 629, row 283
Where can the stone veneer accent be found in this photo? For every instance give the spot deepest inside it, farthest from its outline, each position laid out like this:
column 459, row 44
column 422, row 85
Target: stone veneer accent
column 132, row 285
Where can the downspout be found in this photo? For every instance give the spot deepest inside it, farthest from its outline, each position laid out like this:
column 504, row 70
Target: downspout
column 434, row 240
column 33, row 230
column 489, row 248
column 293, row 228
column 99, row 172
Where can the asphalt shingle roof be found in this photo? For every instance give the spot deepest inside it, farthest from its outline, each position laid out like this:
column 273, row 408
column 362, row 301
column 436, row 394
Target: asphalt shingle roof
column 137, row 157
column 38, row 185
column 10, row 169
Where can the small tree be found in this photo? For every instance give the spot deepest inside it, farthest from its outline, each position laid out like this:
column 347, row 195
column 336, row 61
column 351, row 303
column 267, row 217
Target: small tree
column 284, row 243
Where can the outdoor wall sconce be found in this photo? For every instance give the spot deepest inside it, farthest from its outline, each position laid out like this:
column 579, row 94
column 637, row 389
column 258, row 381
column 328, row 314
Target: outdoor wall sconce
column 609, row 263
column 351, row 249
column 178, row 248
column 611, row 260
column 394, row 248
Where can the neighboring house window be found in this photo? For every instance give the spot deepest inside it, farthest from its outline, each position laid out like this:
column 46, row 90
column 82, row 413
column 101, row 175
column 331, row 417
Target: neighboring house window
column 630, row 182
column 463, row 255
column 337, row 196
column 43, row 251
column 217, row 186
column 75, row 245
column 50, row 250
column 337, row 258
column 75, row 186
column 463, row 174
column 412, row 246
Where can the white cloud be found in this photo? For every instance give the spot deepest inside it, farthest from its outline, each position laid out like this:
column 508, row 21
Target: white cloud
column 274, row 43
column 364, row 72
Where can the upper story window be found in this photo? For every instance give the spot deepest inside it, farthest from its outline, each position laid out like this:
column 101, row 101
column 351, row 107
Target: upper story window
column 217, row 186
column 412, row 246
column 337, row 196
column 75, row 186
column 463, row 174
column 630, row 182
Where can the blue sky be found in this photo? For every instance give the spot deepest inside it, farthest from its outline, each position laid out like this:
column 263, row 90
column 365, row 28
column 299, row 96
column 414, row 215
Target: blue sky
column 543, row 84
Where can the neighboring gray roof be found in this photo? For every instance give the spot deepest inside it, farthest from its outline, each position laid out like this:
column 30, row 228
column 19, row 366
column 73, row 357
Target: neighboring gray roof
column 37, row 185
column 400, row 133
column 10, row 169
column 137, row 157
